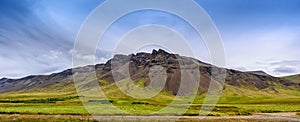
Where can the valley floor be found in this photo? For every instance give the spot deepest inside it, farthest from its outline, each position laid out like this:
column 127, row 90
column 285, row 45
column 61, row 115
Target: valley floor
column 234, row 104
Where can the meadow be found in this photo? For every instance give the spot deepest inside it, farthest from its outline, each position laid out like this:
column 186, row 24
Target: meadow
column 230, row 103
column 234, row 101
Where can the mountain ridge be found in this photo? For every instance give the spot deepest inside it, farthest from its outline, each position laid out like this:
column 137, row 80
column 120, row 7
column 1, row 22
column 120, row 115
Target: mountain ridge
column 139, row 66
column 259, row 72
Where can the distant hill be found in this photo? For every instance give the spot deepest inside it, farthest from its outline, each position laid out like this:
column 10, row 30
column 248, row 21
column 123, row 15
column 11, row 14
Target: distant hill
column 258, row 72
column 139, row 66
column 294, row 78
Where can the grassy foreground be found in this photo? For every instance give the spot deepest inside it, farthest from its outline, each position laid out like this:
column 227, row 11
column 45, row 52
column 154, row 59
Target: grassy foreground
column 234, row 101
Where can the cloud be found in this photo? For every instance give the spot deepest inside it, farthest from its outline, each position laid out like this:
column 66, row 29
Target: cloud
column 240, row 68
column 287, row 62
column 44, row 63
column 280, row 67
column 30, row 43
column 82, row 59
column 285, row 70
column 286, row 67
column 23, row 28
column 264, row 49
column 37, row 36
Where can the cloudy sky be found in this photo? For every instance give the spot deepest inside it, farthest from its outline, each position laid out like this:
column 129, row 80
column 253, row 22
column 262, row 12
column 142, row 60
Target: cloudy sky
column 37, row 36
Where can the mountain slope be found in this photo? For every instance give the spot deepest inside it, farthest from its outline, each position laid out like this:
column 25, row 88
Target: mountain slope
column 140, row 65
column 294, row 78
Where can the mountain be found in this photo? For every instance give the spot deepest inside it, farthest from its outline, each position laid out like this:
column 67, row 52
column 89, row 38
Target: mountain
column 140, row 65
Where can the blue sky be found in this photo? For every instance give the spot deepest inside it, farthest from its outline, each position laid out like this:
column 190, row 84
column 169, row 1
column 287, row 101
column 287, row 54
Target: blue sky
column 37, row 36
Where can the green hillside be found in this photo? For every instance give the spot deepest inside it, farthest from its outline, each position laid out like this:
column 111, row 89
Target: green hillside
column 295, row 78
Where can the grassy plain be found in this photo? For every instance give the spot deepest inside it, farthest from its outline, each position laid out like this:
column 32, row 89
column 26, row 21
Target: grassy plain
column 233, row 101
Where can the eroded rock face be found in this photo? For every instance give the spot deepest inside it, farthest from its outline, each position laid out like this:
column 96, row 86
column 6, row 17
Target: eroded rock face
column 137, row 66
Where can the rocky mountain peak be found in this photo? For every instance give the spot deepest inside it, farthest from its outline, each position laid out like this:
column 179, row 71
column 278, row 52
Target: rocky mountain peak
column 163, row 52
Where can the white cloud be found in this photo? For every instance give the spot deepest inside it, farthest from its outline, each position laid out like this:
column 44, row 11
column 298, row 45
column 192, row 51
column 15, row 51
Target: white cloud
column 259, row 49
column 280, row 67
column 44, row 63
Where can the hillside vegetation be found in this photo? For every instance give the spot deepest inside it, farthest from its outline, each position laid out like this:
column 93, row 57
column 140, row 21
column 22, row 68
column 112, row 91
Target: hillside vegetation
column 295, row 78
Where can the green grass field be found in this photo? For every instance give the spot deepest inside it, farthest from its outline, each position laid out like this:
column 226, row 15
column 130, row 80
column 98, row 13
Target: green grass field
column 65, row 104
column 234, row 101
